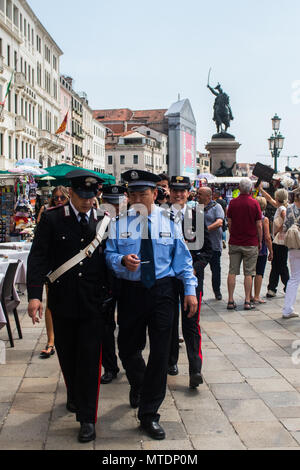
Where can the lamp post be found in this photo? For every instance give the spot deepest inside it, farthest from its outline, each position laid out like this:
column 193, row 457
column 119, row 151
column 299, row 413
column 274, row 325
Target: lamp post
column 276, row 141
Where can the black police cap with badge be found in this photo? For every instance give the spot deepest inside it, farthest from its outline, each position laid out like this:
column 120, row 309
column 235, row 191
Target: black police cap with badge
column 180, row 183
column 114, row 194
column 139, row 180
column 84, row 183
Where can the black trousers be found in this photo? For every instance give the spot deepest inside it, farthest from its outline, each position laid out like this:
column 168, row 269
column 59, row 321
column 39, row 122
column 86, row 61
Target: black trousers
column 79, row 350
column 215, row 266
column 139, row 309
column 190, row 329
column 279, row 267
column 109, row 357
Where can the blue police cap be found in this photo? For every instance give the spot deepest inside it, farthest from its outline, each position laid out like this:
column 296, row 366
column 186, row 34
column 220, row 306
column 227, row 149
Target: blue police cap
column 139, row 180
column 114, row 193
column 180, row 183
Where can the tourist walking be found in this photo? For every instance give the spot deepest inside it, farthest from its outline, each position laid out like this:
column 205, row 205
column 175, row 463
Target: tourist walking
column 292, row 217
column 280, row 252
column 245, row 240
column 263, row 254
column 214, row 217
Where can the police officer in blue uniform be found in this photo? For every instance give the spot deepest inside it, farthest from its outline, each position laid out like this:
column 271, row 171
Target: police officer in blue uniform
column 147, row 252
column 114, row 200
column 180, row 187
column 77, row 298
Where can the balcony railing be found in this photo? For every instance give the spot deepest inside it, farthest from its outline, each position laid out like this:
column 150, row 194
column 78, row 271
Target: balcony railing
column 50, row 141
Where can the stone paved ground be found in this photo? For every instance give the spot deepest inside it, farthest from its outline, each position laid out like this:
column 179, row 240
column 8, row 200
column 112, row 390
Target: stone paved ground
column 250, row 399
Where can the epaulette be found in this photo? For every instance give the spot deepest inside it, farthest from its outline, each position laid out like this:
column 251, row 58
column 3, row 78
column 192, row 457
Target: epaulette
column 52, row 208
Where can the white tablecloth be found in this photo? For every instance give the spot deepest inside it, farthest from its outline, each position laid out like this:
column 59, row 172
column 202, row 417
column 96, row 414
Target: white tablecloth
column 17, row 255
column 20, row 279
column 2, row 317
column 25, row 246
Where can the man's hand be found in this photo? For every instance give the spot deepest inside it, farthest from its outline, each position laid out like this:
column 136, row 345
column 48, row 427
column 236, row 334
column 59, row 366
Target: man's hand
column 131, row 262
column 190, row 305
column 270, row 257
column 35, row 306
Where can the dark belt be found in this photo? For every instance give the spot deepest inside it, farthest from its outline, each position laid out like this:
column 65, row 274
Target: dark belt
column 158, row 282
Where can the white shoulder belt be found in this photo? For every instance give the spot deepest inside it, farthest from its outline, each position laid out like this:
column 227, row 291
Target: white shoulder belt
column 86, row 253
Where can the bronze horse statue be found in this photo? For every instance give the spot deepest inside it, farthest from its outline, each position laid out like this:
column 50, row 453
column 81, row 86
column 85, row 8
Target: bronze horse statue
column 222, row 109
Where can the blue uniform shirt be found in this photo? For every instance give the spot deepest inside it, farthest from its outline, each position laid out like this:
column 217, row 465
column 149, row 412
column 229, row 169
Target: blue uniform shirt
column 171, row 255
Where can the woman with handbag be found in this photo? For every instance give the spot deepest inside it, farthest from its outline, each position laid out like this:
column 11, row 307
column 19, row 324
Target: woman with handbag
column 280, row 252
column 292, row 223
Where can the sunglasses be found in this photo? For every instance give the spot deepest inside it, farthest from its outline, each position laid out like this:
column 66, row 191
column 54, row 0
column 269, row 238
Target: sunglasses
column 57, row 198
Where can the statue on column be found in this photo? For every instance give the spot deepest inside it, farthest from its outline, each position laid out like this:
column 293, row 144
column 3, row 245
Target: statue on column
column 222, row 109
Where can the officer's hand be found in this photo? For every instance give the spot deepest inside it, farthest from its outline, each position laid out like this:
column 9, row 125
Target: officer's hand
column 190, row 305
column 131, row 262
column 35, row 306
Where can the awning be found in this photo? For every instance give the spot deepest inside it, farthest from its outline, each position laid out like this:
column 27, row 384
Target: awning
column 59, row 172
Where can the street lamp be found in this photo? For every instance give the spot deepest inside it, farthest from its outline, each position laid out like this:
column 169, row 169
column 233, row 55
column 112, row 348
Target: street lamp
column 276, row 141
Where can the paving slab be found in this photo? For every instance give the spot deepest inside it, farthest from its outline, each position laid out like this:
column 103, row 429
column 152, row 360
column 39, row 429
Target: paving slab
column 246, row 410
column 233, row 391
column 216, row 442
column 261, row 435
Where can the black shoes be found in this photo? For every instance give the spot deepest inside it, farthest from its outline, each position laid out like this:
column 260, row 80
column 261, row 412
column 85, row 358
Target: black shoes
column 173, row 370
column 134, row 398
column 71, row 407
column 108, row 377
column 87, row 432
column 219, row 296
column 153, row 429
column 196, row 380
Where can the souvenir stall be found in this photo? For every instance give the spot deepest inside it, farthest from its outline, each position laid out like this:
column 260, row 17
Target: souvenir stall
column 228, row 186
column 17, row 197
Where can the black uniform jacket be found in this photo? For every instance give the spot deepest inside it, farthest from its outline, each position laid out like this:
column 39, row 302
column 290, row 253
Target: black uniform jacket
column 59, row 237
column 203, row 256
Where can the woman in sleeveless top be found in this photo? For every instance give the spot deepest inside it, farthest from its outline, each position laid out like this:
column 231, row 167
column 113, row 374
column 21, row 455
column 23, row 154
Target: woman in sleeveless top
column 292, row 215
column 280, row 252
column 263, row 254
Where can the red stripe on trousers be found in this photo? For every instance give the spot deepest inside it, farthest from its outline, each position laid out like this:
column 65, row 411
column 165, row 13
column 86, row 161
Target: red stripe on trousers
column 200, row 350
column 99, row 382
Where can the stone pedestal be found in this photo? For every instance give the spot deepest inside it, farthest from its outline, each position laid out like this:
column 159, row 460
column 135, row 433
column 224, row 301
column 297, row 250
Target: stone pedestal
column 223, row 147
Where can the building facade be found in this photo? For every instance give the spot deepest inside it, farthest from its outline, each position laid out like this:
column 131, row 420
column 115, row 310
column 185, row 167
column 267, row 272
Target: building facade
column 66, row 107
column 178, row 124
column 99, row 135
column 182, row 139
column 32, row 109
column 244, row 169
column 140, row 149
column 203, row 163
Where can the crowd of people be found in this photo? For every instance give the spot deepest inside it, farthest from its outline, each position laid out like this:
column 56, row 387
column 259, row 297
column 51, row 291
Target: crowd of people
column 148, row 270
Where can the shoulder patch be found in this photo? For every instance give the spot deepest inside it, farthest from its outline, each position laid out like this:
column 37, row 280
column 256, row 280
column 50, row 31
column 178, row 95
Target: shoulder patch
column 53, row 208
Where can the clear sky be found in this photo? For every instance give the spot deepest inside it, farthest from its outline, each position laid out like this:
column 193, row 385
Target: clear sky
column 140, row 55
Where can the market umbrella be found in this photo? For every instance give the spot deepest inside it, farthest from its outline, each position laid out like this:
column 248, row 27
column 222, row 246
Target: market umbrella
column 59, row 172
column 28, row 162
column 27, row 170
column 207, row 176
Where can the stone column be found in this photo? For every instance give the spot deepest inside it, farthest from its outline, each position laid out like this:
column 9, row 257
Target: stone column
column 222, row 147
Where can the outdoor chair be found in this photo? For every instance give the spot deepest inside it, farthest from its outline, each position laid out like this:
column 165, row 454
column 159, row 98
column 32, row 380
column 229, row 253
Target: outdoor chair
column 9, row 304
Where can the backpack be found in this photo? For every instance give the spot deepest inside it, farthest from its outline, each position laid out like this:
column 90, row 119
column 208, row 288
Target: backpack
column 292, row 238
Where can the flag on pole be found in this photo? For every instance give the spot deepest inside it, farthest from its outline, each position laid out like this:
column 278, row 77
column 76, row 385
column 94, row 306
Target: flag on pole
column 7, row 90
column 63, row 125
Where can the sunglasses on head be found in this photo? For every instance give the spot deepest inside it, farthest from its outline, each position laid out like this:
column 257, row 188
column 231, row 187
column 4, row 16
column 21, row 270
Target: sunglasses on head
column 57, row 198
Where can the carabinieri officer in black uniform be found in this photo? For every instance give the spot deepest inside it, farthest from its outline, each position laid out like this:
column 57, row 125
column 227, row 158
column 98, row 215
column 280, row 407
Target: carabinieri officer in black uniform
column 147, row 252
column 76, row 298
column 180, row 188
